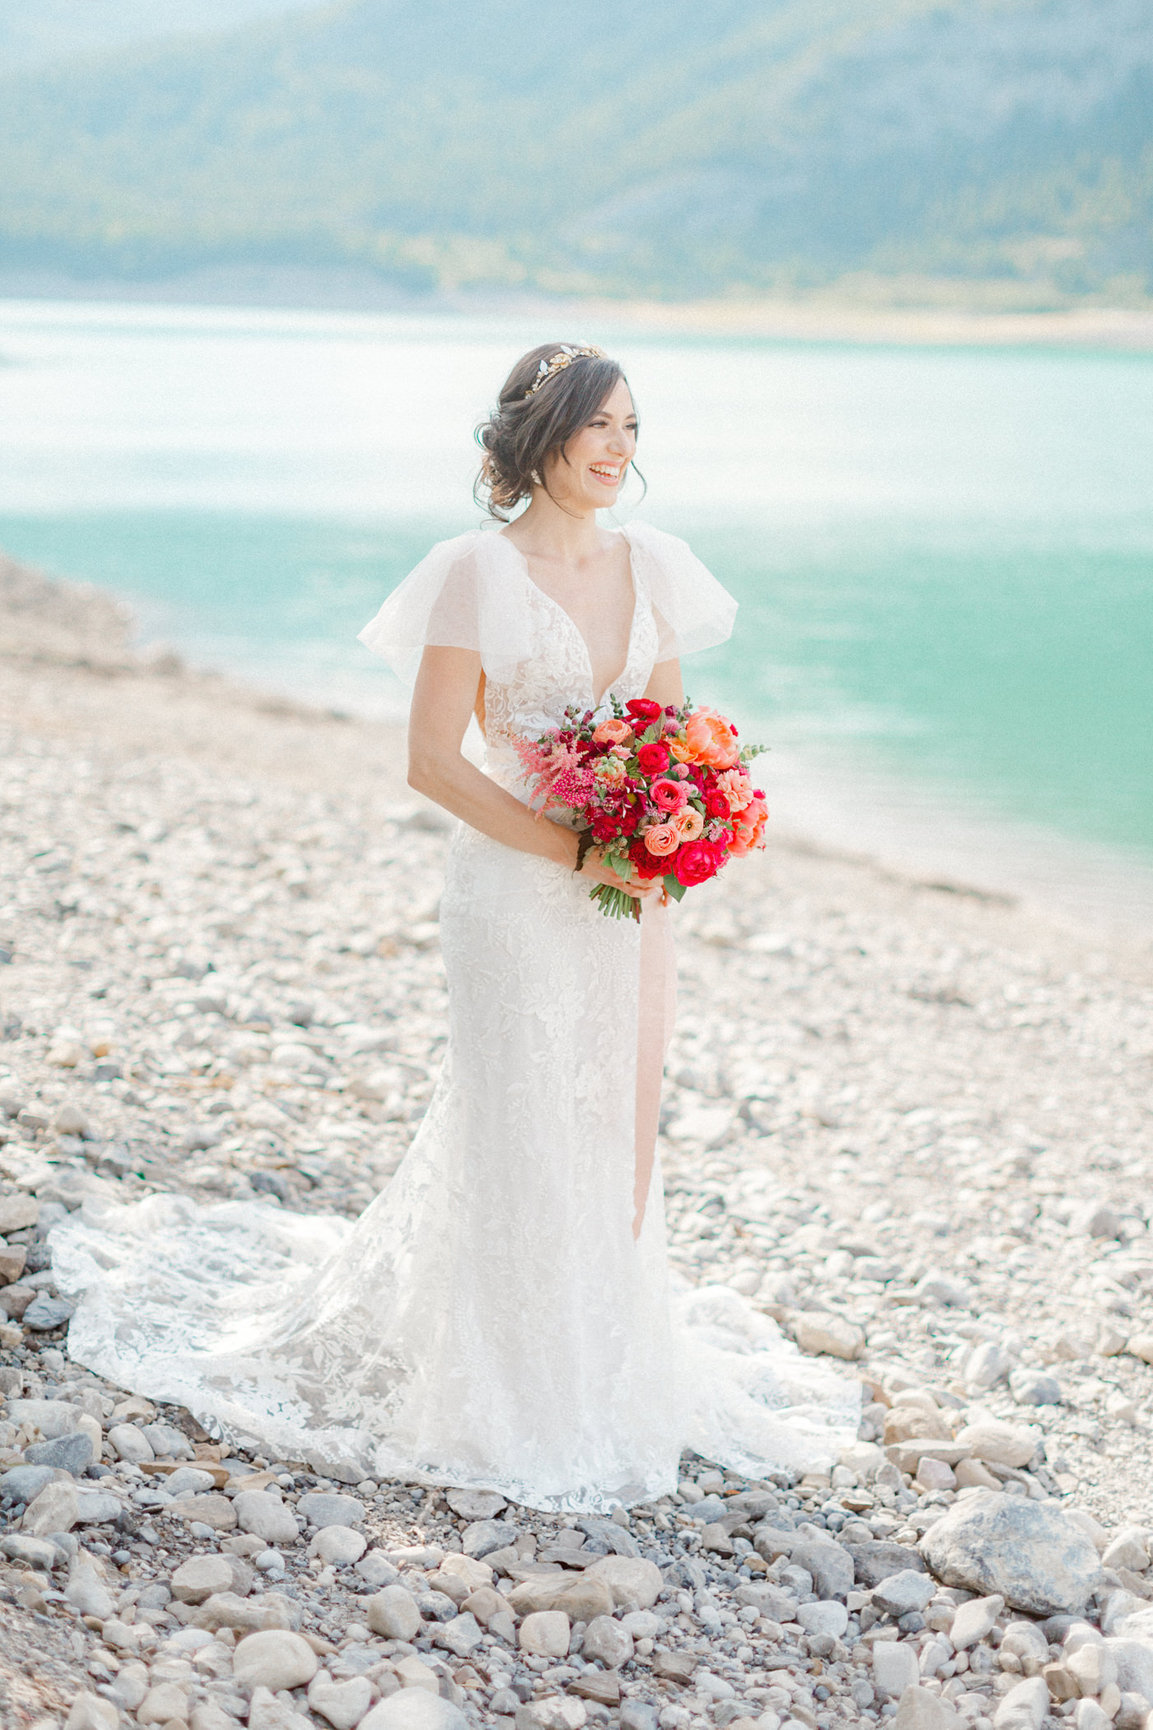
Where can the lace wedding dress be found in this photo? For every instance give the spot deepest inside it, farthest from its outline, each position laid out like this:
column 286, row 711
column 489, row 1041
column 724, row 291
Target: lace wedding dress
column 490, row 1320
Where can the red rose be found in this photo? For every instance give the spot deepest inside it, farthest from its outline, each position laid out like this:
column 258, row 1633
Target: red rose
column 646, row 864
column 604, row 829
column 696, row 861
column 716, row 804
column 644, row 710
column 653, row 759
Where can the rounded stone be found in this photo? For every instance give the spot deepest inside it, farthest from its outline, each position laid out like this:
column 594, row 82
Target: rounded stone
column 70, row 1453
column 343, row 1704
column 275, row 1658
column 829, row 1617
column 163, row 1703
column 265, row 1517
column 323, row 1509
column 129, row 1443
column 338, row 1545
column 393, row 1614
column 635, row 1584
column 607, row 1642
column 201, row 1576
column 414, row 1709
column 546, row 1634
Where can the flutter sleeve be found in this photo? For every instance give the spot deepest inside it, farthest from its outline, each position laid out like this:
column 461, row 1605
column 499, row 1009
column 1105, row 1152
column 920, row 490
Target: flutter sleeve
column 691, row 608
column 464, row 594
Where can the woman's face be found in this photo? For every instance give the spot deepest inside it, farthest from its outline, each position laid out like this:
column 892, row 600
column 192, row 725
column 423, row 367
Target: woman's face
column 588, row 473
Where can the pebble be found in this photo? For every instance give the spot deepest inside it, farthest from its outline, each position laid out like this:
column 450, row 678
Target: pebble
column 895, row 1668
column 1031, row 1553
column 343, row 1704
column 321, row 1510
column 338, row 1544
column 275, row 1658
column 545, row 1634
column 265, row 1517
column 414, row 1709
column 393, row 1614
column 607, row 1642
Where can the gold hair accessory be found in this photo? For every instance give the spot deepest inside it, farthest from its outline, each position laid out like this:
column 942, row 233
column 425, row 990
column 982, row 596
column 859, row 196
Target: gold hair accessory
column 563, row 357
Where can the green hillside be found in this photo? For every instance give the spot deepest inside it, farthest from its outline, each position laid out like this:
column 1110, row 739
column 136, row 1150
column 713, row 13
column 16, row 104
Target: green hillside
column 661, row 148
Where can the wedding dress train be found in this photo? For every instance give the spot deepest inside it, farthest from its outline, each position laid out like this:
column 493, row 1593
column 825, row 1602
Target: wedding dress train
column 490, row 1320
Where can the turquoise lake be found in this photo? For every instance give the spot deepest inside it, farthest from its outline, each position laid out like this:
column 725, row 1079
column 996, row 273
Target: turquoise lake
column 944, row 555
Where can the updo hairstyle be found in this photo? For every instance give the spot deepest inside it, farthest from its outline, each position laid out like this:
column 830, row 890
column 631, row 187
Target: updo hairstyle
column 523, row 430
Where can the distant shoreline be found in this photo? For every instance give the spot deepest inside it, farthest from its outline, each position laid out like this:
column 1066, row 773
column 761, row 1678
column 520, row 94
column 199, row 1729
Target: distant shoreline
column 832, row 316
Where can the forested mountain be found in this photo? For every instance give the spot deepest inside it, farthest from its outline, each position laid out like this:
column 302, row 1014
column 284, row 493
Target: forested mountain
column 661, row 147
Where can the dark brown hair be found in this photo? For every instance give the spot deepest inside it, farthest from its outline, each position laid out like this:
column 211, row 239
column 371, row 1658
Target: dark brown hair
column 523, row 430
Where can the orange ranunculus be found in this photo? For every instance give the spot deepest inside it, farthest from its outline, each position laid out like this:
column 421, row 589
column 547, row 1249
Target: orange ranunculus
column 711, row 740
column 749, row 828
column 680, row 748
column 613, row 732
column 661, row 838
column 688, row 823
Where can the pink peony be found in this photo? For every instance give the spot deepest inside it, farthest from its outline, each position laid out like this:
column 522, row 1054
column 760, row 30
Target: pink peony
column 737, row 787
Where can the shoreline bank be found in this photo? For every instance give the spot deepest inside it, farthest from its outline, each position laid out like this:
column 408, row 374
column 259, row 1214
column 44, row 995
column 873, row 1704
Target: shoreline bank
column 910, row 1125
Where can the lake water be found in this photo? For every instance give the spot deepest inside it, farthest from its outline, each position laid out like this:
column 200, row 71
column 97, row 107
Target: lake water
column 944, row 555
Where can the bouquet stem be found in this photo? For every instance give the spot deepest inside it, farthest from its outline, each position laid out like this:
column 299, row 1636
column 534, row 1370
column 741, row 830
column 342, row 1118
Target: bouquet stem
column 614, row 903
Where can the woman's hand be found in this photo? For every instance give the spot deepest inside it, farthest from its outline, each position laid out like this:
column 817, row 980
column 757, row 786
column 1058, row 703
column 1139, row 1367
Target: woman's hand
column 594, row 866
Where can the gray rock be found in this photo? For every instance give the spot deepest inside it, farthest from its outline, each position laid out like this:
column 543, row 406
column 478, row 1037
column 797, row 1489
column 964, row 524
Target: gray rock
column 130, row 1443
column 1134, row 1661
column 45, row 1313
column 638, row 1715
column 986, row 1365
column 921, row 1710
column 86, row 1590
column 1033, row 1387
column 461, row 1636
column 64, row 1453
column 899, row 1594
column 475, row 1504
column 265, row 1517
column 1024, row 1707
column 376, row 1570
column 24, row 1483
column 40, row 1553
column 275, row 1658
column 769, row 1600
column 200, row 1576
column 485, row 1536
column 344, row 1704
column 393, row 1614
column 96, row 1507
column 894, row 1668
column 167, row 1442
column 607, row 1643
column 55, row 1509
column 414, row 1709
column 830, row 1564
column 974, row 1621
column 634, row 1582
column 188, row 1481
column 339, row 1545
column 824, row 1618
column 321, row 1509
column 1031, row 1553
column 90, row 1712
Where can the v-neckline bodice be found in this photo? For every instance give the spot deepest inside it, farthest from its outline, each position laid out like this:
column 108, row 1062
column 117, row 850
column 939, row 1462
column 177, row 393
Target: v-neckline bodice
column 598, row 698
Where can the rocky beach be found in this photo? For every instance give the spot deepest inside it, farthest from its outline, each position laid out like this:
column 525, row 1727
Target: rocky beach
column 908, row 1120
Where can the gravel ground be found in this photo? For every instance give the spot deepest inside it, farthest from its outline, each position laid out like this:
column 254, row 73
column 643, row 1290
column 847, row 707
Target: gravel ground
column 910, row 1122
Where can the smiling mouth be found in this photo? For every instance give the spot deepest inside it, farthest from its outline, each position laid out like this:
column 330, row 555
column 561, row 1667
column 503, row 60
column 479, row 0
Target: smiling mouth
column 604, row 473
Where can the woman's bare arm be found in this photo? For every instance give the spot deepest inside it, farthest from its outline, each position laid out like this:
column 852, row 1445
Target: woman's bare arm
column 442, row 705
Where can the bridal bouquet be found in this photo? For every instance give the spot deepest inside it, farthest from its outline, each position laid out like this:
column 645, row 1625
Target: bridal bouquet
column 666, row 791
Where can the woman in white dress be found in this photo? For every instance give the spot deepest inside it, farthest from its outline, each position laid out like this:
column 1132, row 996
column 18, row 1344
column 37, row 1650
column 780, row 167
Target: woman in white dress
column 502, row 1315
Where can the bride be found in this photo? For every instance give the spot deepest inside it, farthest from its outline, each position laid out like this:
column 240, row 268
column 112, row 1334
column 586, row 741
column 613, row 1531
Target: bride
column 502, row 1316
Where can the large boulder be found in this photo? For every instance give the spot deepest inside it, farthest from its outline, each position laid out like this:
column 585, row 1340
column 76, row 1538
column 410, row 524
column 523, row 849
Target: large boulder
column 1032, row 1553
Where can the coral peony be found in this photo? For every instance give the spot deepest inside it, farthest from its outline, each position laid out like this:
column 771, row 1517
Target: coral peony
column 669, row 795
column 653, row 759
column 688, row 823
column 661, row 839
column 737, row 787
column 699, row 860
column 613, row 732
column 710, row 739
column 749, row 827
